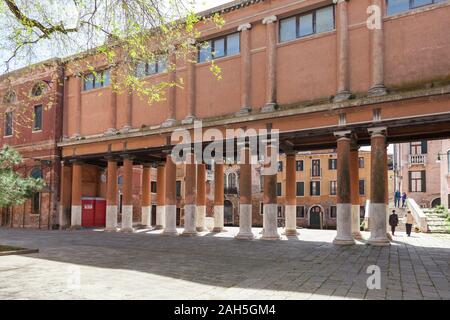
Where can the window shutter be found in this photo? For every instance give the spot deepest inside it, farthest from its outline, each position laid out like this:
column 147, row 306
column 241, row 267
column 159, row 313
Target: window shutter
column 424, row 181
column 424, row 146
column 409, row 181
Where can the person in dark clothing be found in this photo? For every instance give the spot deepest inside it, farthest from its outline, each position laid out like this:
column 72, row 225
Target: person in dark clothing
column 393, row 221
column 397, row 198
column 404, row 197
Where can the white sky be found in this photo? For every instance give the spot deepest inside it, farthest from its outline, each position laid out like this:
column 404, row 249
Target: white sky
column 202, row 5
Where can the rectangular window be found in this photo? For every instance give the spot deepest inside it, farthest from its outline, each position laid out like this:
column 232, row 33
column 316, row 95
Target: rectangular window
column 417, row 181
column 332, row 164
column 280, row 212
column 280, row 166
column 144, row 69
column 416, row 147
column 261, row 208
column 8, row 124
column 178, row 189
column 305, row 24
column 300, row 212
column 399, row 6
column 362, row 187
column 37, row 118
column 153, row 187
column 220, row 47
column 315, row 188
column 99, row 80
column 36, row 203
column 361, row 162
column 299, row 165
column 300, row 189
column 315, row 171
column 333, row 212
column 279, row 189
column 333, row 188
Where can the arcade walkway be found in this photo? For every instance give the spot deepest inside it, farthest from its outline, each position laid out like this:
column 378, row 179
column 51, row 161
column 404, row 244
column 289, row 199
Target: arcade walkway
column 151, row 266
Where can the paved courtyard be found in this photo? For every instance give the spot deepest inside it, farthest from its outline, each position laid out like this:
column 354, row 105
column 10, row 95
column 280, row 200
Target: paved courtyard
column 146, row 265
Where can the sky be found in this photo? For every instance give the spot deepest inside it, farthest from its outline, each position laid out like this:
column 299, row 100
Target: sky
column 208, row 4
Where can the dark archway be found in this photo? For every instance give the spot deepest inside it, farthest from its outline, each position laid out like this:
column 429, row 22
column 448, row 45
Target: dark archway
column 436, row 202
column 315, row 217
column 228, row 213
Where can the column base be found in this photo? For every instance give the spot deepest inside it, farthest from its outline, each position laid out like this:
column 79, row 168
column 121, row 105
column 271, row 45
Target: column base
column 342, row 96
column 269, row 107
column 75, row 228
column 170, row 221
column 244, row 111
column 146, row 221
column 218, row 230
column 127, row 230
column 290, row 228
column 159, row 227
column 188, row 120
column 75, row 219
column 270, row 238
column 270, row 226
column 200, row 229
column 357, row 235
column 245, row 236
column 111, row 230
column 127, row 218
column 379, row 242
column 377, row 91
column 218, row 218
column 111, row 217
column 378, row 234
column 344, row 242
column 168, row 123
column 189, row 234
column 290, row 233
column 170, row 233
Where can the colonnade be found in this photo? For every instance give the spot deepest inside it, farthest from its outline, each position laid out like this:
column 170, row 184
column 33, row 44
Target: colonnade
column 195, row 197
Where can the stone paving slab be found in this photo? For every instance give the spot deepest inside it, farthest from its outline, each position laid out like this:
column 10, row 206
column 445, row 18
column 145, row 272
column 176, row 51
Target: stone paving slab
column 91, row 264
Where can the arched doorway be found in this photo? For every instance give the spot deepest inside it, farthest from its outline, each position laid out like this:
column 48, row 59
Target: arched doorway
column 315, row 217
column 227, row 213
column 436, row 202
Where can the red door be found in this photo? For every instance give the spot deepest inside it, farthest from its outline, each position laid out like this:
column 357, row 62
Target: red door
column 100, row 213
column 88, row 213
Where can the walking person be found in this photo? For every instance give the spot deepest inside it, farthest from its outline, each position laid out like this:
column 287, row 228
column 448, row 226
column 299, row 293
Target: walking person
column 397, row 197
column 393, row 221
column 409, row 223
column 404, row 197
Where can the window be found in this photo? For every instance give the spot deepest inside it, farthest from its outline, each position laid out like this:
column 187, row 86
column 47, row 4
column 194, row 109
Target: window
column 37, row 118
column 299, row 165
column 300, row 212
column 219, row 47
column 333, row 188
column 279, row 189
column 36, row 173
column 419, row 147
column 417, row 181
column 98, row 80
column 153, row 187
column 315, row 188
column 261, row 208
column 361, row 162
column 280, row 212
column 280, row 166
column 300, row 189
column 10, row 97
column 315, row 171
column 38, row 89
column 8, row 124
column 332, row 164
column 144, row 69
column 333, row 212
column 399, row 6
column 362, row 187
column 316, row 21
column 178, row 189
column 36, row 203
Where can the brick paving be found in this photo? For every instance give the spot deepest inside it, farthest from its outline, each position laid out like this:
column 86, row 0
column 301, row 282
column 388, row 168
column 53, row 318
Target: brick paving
column 146, row 265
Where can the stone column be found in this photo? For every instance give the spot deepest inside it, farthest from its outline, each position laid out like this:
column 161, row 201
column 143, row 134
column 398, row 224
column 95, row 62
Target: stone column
column 246, row 69
column 160, row 196
column 171, row 93
column 201, row 197
column 127, row 195
column 77, row 176
column 190, row 83
column 377, row 55
column 378, row 207
column 190, row 205
column 343, row 75
column 291, row 197
column 146, row 205
column 218, row 197
column 271, row 53
column 170, row 227
column 354, row 190
column 78, row 108
column 245, row 196
column 270, row 219
column 344, row 206
column 65, row 194
column 111, row 195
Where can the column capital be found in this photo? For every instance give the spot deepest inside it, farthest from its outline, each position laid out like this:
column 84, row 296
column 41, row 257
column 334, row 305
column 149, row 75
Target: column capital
column 270, row 19
column 347, row 134
column 244, row 27
column 377, row 131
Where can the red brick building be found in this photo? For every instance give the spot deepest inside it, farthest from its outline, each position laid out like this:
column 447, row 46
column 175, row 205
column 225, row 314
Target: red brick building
column 31, row 109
